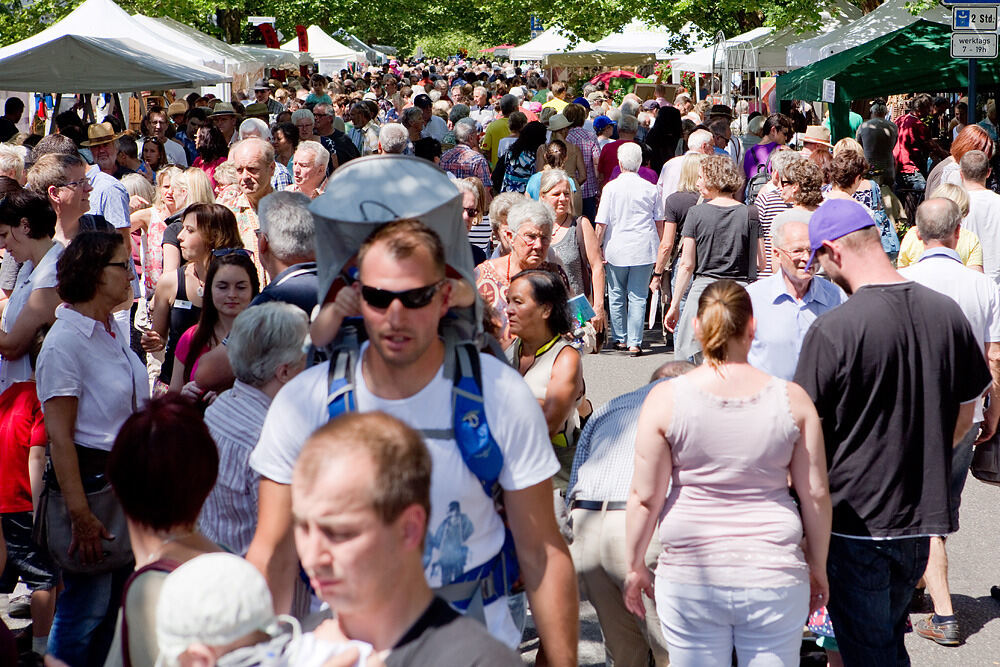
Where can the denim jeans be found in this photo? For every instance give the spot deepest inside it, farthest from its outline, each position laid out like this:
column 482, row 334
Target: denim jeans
column 627, row 290
column 85, row 617
column 914, row 181
column 702, row 625
column 871, row 584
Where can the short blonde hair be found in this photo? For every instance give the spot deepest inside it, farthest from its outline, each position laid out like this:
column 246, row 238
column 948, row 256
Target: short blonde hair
column 199, row 188
column 171, row 172
column 225, row 174
column 847, row 144
column 689, row 172
column 955, row 193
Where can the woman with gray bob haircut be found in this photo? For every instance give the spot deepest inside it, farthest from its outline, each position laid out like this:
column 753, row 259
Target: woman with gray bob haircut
column 265, row 349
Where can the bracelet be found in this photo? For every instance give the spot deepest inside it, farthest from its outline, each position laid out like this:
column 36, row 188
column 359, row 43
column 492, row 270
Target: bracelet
column 657, row 275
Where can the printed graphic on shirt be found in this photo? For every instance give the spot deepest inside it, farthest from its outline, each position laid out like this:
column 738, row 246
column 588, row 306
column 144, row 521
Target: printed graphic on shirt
column 449, row 541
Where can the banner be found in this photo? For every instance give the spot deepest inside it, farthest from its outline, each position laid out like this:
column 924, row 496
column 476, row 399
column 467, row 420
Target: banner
column 300, row 30
column 269, row 35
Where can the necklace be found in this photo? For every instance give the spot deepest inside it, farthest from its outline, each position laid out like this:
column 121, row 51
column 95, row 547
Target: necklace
column 201, row 283
column 170, row 539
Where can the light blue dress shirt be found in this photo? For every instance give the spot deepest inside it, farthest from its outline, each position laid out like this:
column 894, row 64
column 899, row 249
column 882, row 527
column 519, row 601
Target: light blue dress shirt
column 782, row 321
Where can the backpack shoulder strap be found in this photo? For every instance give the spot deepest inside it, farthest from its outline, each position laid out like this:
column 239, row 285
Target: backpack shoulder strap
column 340, row 397
column 479, row 450
column 161, row 565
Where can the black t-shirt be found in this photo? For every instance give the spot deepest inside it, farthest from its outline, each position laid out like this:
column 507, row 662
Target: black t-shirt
column 442, row 637
column 7, row 129
column 725, row 239
column 296, row 285
column 170, row 234
column 887, row 371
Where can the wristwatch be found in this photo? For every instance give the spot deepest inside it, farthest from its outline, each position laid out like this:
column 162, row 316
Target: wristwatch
column 657, row 275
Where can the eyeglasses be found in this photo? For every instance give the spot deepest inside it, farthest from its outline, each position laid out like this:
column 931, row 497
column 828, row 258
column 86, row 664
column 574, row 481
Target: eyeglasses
column 784, row 183
column 417, row 297
column 75, row 184
column 222, row 252
column 123, row 265
column 321, row 115
column 472, row 212
column 795, row 252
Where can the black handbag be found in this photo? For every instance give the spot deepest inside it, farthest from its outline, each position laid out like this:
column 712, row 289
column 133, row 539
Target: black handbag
column 986, row 461
column 57, row 531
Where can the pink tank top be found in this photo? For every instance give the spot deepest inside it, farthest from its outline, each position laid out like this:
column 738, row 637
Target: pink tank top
column 729, row 519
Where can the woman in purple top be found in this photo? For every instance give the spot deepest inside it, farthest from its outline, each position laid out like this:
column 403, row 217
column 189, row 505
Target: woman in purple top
column 714, row 452
column 778, row 131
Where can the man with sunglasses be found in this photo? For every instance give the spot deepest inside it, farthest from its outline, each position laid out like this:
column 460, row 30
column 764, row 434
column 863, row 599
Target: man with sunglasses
column 404, row 294
column 786, row 303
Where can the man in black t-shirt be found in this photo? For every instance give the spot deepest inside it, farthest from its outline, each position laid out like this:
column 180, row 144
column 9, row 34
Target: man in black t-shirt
column 360, row 501
column 13, row 108
column 895, row 373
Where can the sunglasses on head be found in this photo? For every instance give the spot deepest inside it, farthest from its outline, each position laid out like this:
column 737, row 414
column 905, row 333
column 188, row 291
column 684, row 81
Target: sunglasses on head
column 222, row 252
column 417, row 297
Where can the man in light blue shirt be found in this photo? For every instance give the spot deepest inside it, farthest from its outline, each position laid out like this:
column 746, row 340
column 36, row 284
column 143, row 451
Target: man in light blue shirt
column 786, row 303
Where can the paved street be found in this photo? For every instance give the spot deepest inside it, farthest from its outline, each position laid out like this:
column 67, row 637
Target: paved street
column 973, row 551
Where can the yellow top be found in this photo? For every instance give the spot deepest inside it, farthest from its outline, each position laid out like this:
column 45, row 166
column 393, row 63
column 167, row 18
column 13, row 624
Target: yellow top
column 968, row 248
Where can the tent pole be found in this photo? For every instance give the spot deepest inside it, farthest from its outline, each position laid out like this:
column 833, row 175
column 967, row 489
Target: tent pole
column 55, row 112
column 973, row 67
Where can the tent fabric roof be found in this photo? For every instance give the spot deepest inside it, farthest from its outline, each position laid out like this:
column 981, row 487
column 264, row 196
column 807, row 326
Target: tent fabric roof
column 275, row 57
column 637, row 44
column 233, row 60
column 372, row 54
column 322, row 46
column 916, row 57
column 553, row 40
column 772, row 50
column 98, row 65
column 886, row 18
column 105, row 19
column 700, row 61
column 598, row 58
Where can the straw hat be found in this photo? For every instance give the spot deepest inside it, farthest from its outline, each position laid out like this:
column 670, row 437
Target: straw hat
column 99, row 134
column 816, row 134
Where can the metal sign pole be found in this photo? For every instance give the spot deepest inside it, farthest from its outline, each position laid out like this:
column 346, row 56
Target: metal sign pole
column 973, row 67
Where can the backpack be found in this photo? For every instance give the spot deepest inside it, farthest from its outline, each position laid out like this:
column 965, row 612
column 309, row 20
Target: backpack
column 890, row 239
column 758, row 181
column 361, row 196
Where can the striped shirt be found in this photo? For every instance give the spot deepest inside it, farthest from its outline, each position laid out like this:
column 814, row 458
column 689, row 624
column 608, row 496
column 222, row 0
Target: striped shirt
column 235, row 418
column 769, row 204
column 605, row 452
column 586, row 141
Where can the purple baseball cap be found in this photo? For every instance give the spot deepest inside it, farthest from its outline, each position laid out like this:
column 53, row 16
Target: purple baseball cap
column 833, row 219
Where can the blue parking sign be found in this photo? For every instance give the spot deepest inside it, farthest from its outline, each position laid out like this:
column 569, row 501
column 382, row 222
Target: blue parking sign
column 963, row 18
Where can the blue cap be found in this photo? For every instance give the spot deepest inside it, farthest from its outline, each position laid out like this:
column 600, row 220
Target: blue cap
column 833, row 219
column 582, row 101
column 602, row 122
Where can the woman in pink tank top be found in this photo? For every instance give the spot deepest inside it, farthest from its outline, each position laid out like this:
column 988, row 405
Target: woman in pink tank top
column 714, row 452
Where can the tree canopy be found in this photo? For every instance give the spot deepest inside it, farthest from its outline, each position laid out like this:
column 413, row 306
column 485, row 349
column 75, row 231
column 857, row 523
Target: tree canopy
column 441, row 24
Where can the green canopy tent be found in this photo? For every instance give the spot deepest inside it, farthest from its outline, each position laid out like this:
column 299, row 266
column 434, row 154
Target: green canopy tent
column 914, row 58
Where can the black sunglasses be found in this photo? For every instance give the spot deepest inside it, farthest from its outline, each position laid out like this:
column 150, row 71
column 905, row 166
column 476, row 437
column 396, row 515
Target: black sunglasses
column 222, row 252
column 417, row 297
column 123, row 265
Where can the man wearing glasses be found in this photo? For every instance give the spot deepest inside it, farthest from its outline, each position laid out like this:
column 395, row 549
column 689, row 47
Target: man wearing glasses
column 403, row 294
column 786, row 303
column 333, row 140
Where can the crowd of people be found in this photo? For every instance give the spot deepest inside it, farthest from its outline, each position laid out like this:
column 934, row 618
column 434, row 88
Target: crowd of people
column 220, row 445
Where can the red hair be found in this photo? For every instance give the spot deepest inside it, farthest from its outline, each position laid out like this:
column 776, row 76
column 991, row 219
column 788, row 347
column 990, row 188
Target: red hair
column 971, row 138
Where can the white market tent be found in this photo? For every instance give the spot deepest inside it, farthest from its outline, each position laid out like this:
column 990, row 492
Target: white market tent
column 329, row 54
column 553, row 40
column 636, row 44
column 277, row 58
column 886, row 18
column 102, row 49
column 373, row 55
column 234, row 60
column 701, row 61
column 772, row 50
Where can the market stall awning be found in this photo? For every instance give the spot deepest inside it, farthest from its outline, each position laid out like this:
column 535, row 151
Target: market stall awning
column 180, row 34
column 277, row 58
column 553, row 40
column 595, row 58
column 772, row 49
column 98, row 65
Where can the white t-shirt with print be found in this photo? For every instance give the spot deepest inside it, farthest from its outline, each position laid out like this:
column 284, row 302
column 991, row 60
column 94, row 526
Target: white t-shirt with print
column 464, row 530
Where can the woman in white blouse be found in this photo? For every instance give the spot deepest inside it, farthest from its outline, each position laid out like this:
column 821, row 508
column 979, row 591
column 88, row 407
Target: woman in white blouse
column 89, row 382
column 27, row 224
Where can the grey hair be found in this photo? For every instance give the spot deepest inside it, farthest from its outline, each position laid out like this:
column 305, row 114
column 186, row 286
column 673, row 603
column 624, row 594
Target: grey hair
column 782, row 160
column 288, row 225
column 879, row 110
column 321, row 156
column 531, row 212
column 458, row 112
column 937, row 219
column 778, row 229
column 551, row 178
column 254, row 127
column 11, row 161
column 699, row 139
column 629, row 156
column 299, row 114
column 409, row 115
column 501, row 205
column 393, row 137
column 629, row 108
column 465, row 130
column 628, row 124
column 263, row 339
column 975, row 166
